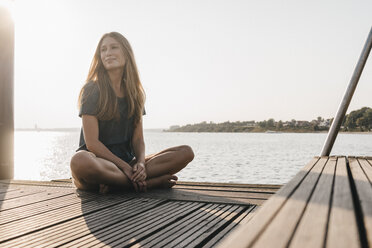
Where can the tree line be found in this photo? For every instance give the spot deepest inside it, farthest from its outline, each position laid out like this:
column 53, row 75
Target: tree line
column 358, row 120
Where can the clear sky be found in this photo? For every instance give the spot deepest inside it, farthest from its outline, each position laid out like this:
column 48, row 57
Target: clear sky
column 199, row 60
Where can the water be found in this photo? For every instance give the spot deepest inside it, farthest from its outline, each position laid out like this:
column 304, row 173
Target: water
column 219, row 157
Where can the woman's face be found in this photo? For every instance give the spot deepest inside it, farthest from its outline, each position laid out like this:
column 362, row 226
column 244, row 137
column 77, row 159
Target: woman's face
column 112, row 55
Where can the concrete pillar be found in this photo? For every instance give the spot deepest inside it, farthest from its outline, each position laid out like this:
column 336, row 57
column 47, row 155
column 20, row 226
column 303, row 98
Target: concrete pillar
column 6, row 94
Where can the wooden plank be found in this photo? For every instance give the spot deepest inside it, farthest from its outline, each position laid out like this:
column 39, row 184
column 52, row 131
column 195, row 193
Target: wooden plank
column 272, row 188
column 63, row 180
column 32, row 199
column 208, row 229
column 68, row 183
column 281, row 228
column 4, row 190
column 182, row 195
column 45, row 220
column 18, row 194
column 228, row 185
column 207, row 184
column 226, row 189
column 359, row 168
column 76, row 229
column 178, row 227
column 122, row 228
column 312, row 228
column 241, row 220
column 368, row 169
column 143, row 225
column 68, row 229
column 169, row 227
column 27, row 211
column 229, row 194
column 37, row 183
column 247, row 234
column 98, row 230
column 342, row 226
column 187, row 228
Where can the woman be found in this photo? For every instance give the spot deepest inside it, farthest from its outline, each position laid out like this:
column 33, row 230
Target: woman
column 112, row 148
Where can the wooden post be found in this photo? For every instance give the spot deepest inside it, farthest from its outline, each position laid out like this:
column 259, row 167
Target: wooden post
column 6, row 94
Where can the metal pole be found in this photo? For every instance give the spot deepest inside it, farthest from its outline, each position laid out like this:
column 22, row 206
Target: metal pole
column 6, row 94
column 336, row 124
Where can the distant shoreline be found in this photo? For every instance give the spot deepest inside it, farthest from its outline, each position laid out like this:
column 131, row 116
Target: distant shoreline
column 73, row 129
column 274, row 132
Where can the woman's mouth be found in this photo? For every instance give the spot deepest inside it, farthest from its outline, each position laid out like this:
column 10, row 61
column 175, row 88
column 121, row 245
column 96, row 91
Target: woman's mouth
column 109, row 60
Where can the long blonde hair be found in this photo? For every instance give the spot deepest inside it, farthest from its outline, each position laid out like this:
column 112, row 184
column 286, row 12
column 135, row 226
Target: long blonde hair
column 133, row 90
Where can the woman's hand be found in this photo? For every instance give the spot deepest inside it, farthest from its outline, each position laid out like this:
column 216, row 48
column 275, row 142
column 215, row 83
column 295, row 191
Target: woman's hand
column 139, row 172
column 128, row 172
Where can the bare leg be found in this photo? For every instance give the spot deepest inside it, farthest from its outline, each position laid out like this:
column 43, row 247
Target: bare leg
column 162, row 166
column 88, row 172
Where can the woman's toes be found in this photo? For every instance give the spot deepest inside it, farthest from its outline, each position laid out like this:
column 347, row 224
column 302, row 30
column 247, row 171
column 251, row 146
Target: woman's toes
column 172, row 181
column 173, row 177
column 171, row 184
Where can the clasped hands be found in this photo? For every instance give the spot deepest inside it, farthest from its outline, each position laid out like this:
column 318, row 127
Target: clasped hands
column 138, row 177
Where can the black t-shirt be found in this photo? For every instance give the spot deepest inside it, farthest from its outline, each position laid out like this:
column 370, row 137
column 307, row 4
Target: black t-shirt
column 116, row 135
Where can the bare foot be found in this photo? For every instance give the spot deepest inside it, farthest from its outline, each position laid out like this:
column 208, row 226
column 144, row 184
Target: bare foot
column 166, row 181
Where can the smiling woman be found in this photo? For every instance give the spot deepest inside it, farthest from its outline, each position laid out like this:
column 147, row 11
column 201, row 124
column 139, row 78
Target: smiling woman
column 6, row 92
column 112, row 147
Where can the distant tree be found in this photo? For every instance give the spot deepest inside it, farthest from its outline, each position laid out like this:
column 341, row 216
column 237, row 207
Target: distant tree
column 280, row 124
column 365, row 122
column 262, row 124
column 368, row 116
column 270, row 122
column 362, row 123
column 351, row 119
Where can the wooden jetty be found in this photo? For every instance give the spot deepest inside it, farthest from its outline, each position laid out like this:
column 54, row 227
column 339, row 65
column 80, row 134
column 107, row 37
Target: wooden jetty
column 50, row 214
column 327, row 204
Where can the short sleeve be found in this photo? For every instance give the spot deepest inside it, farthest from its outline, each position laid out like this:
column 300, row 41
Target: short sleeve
column 89, row 100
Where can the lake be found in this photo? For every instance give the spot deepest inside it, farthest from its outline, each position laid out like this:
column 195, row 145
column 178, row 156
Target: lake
column 262, row 158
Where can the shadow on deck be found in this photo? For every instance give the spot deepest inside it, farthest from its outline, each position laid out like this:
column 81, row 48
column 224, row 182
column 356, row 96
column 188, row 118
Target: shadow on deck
column 189, row 215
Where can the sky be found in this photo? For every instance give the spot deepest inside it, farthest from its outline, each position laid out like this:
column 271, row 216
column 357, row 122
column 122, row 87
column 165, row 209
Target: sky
column 199, row 60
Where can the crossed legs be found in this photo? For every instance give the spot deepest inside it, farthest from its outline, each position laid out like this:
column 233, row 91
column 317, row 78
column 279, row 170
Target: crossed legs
column 89, row 171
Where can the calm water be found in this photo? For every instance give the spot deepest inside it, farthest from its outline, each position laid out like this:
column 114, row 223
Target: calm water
column 219, row 157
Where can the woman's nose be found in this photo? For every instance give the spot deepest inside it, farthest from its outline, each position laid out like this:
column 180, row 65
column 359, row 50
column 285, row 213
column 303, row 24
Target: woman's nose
column 108, row 51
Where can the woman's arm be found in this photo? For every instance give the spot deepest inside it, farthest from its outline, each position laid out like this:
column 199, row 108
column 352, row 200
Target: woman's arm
column 91, row 134
column 138, row 143
column 139, row 171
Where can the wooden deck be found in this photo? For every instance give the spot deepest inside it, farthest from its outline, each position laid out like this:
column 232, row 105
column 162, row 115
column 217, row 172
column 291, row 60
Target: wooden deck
column 327, row 204
column 49, row 214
